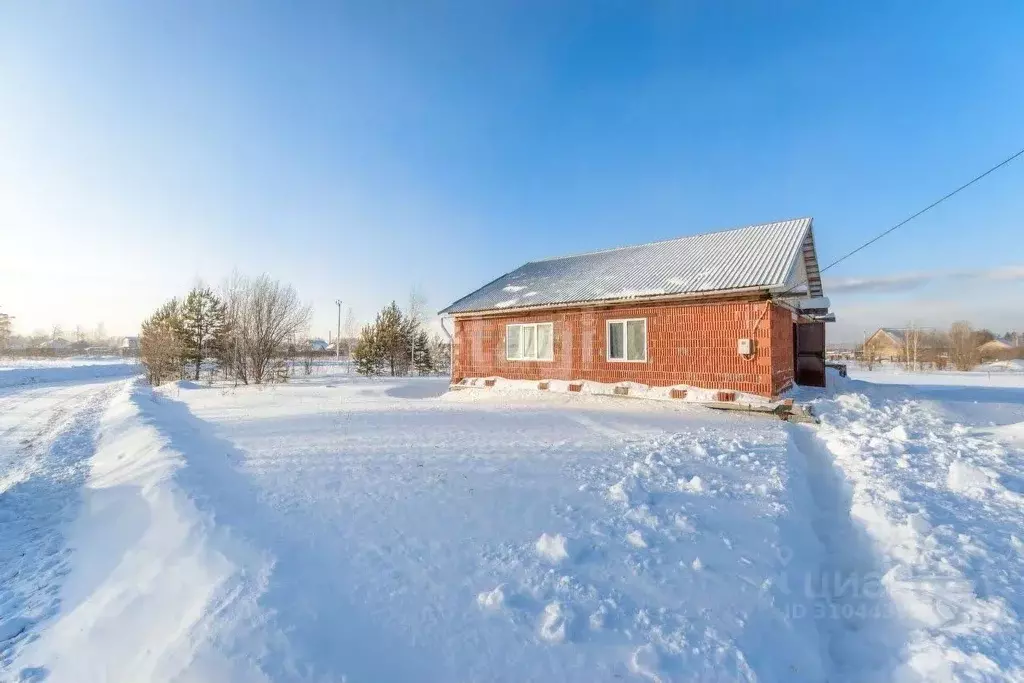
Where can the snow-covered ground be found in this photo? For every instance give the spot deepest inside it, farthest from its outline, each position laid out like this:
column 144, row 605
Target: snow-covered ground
column 9, row 363
column 383, row 530
column 22, row 371
column 996, row 374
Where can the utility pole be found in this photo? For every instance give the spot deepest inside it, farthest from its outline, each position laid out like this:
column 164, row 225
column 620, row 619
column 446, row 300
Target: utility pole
column 337, row 340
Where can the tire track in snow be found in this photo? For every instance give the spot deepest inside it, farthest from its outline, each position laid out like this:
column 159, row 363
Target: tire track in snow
column 35, row 505
column 23, row 402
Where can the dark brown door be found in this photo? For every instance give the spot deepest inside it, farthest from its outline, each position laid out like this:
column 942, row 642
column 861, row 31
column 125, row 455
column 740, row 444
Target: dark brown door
column 809, row 352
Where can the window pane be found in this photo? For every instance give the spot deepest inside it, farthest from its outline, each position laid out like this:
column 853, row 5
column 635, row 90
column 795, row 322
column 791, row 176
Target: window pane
column 615, row 341
column 636, row 340
column 512, row 346
column 529, row 341
column 544, row 346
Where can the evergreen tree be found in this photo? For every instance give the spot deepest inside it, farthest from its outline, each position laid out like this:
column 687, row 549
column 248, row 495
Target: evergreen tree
column 422, row 357
column 394, row 334
column 160, row 345
column 204, row 327
column 367, row 355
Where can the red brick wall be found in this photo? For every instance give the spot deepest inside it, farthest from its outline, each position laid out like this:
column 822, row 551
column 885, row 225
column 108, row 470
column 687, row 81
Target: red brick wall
column 782, row 349
column 687, row 343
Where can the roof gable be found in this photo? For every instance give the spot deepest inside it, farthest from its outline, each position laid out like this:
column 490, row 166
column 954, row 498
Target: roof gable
column 897, row 334
column 754, row 257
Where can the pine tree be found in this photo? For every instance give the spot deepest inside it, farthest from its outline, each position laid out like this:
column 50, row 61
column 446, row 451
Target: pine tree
column 160, row 345
column 366, row 354
column 203, row 327
column 394, row 335
column 422, row 357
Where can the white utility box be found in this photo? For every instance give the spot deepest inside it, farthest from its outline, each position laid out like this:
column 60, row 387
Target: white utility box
column 745, row 347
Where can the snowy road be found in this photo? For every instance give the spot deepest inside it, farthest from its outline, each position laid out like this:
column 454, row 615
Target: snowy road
column 47, row 435
column 339, row 529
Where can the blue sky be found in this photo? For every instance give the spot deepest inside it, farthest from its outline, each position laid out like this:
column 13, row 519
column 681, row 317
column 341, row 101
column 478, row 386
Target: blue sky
column 359, row 149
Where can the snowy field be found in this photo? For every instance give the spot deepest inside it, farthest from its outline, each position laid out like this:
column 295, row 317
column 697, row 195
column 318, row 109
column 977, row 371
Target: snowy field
column 340, row 529
column 22, row 371
column 8, row 363
column 996, row 374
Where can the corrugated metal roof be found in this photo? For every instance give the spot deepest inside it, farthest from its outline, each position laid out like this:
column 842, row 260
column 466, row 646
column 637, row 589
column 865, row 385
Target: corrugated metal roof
column 759, row 256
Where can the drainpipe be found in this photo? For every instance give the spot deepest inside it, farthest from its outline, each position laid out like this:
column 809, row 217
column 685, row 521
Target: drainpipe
column 451, row 352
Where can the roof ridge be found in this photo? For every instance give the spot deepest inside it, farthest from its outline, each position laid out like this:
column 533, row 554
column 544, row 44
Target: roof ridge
column 670, row 239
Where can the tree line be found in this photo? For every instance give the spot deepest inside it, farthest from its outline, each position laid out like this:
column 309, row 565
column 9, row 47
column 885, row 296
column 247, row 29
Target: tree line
column 5, row 330
column 45, row 343
column 959, row 347
column 244, row 331
column 396, row 343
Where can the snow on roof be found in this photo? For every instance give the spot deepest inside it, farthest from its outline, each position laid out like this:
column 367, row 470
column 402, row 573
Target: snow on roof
column 765, row 256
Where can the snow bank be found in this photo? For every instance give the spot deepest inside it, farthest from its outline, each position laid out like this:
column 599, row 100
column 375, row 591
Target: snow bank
column 942, row 508
column 153, row 584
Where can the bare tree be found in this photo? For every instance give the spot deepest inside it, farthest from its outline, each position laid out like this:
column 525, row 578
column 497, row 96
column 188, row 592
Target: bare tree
column 264, row 316
column 415, row 319
column 935, row 349
column 351, row 327
column 351, row 331
column 868, row 354
column 308, row 358
column 963, row 350
column 911, row 346
column 160, row 343
column 416, row 312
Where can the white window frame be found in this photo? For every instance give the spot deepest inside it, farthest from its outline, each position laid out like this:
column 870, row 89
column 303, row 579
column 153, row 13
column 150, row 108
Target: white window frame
column 625, row 340
column 536, row 345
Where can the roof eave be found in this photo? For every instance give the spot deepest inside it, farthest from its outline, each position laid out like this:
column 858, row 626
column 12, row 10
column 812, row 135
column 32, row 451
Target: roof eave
column 593, row 303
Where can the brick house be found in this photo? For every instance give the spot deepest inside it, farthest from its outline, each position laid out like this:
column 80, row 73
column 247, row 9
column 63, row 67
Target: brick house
column 739, row 309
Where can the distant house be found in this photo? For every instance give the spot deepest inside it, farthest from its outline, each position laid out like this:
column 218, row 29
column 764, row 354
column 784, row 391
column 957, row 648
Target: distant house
column 57, row 344
column 886, row 343
column 129, row 346
column 317, row 344
column 994, row 349
column 740, row 309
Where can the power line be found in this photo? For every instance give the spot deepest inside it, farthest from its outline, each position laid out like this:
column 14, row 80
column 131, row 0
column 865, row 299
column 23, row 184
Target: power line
column 931, row 206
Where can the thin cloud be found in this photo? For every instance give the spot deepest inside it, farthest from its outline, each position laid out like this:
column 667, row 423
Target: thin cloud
column 890, row 283
column 909, row 281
